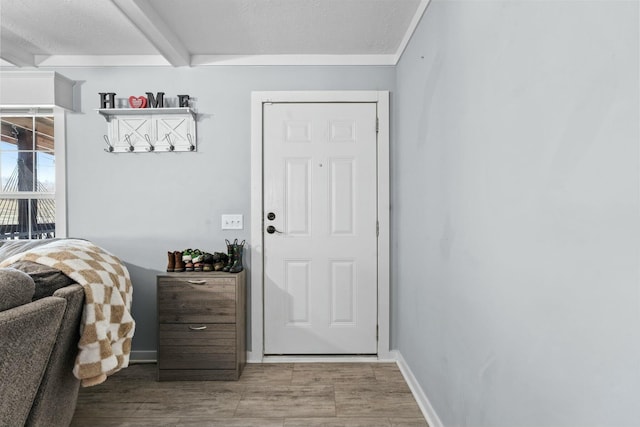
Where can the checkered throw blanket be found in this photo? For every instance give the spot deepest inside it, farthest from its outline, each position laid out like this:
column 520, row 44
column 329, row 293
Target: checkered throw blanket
column 107, row 326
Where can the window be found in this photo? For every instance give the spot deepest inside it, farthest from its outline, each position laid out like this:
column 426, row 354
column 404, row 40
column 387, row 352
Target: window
column 28, row 174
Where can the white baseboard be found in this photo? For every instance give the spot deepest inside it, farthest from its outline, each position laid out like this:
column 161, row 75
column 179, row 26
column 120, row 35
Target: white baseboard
column 254, row 357
column 143, row 356
column 418, row 393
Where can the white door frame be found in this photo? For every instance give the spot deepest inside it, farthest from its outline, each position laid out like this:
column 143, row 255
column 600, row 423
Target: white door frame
column 256, row 354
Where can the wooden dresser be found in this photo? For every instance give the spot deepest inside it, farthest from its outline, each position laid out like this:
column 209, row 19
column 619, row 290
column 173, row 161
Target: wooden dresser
column 201, row 326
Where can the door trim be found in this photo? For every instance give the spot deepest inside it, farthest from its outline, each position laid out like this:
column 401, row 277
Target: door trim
column 256, row 303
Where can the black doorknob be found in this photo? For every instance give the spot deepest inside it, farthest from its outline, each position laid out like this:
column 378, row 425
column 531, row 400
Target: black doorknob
column 271, row 229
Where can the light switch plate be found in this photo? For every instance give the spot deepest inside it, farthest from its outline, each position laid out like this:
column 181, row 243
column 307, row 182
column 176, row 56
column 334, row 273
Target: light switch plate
column 232, row 222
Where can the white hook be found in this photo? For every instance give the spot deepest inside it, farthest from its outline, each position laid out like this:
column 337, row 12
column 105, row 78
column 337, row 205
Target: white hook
column 110, row 149
column 128, row 139
column 171, row 146
column 148, row 138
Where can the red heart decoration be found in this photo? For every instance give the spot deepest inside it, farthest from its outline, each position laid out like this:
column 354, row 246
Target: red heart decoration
column 137, row 101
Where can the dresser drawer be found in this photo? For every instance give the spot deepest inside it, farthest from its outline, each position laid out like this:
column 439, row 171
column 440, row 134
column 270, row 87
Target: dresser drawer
column 197, row 346
column 198, row 280
column 195, row 357
column 197, row 300
column 219, row 335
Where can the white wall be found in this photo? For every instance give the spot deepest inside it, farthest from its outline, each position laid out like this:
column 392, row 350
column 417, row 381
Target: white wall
column 516, row 212
column 139, row 206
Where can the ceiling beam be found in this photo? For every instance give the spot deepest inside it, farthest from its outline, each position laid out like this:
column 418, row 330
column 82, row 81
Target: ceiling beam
column 302, row 60
column 11, row 52
column 147, row 20
column 422, row 6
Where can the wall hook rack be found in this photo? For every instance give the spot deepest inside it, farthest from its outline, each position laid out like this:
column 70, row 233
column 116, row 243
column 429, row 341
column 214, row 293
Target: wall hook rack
column 147, row 130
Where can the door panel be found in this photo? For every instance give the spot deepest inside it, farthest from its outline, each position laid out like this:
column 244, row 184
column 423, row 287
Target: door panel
column 342, row 200
column 298, row 197
column 297, row 285
column 320, row 265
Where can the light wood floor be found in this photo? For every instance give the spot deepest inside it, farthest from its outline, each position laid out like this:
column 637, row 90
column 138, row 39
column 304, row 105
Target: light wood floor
column 267, row 395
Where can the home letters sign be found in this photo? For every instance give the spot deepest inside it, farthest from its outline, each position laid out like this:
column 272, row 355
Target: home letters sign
column 108, row 100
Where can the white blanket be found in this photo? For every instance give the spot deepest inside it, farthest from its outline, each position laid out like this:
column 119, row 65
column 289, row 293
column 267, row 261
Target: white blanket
column 107, row 327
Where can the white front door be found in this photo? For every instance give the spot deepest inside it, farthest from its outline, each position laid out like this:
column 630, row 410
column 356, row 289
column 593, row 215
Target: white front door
column 320, row 220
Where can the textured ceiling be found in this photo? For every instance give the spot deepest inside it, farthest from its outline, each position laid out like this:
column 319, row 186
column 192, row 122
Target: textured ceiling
column 201, row 32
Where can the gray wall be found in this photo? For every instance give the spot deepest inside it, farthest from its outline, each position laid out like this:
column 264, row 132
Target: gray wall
column 515, row 212
column 139, row 206
column 515, row 171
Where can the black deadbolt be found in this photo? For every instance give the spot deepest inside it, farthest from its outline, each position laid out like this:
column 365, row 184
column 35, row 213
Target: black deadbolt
column 271, row 216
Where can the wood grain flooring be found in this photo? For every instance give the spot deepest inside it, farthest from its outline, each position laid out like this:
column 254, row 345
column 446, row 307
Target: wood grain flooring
column 267, row 395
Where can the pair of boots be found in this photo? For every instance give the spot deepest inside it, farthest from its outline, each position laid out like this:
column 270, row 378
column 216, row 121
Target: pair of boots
column 234, row 262
column 175, row 262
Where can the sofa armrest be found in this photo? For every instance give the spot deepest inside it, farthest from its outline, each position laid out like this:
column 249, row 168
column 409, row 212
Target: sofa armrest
column 27, row 334
column 16, row 288
column 56, row 399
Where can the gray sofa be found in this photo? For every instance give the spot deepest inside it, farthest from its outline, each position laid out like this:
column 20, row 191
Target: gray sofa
column 40, row 313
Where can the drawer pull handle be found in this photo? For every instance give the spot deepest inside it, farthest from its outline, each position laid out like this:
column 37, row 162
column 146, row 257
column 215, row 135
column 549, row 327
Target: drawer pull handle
column 197, row 328
column 197, row 282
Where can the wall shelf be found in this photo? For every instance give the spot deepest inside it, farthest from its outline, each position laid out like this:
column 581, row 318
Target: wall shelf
column 145, row 130
column 108, row 113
